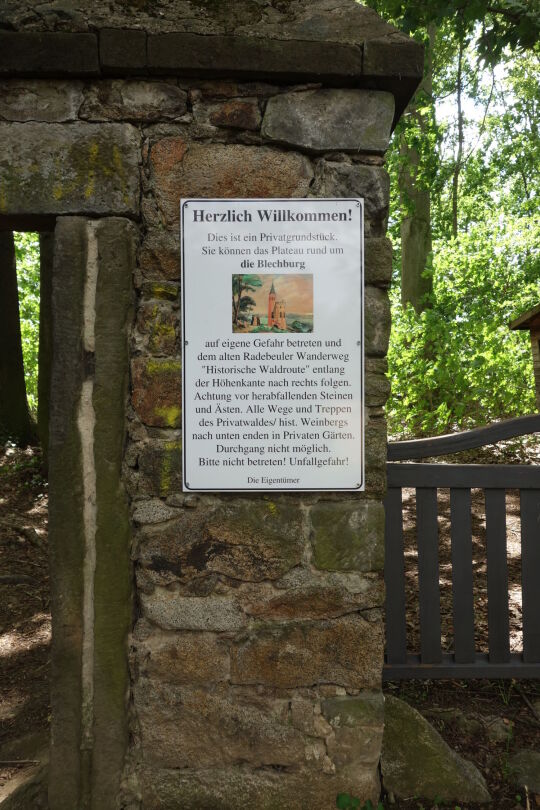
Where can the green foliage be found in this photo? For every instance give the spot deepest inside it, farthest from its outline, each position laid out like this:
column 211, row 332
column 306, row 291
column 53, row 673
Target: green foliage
column 458, row 364
column 346, row 802
column 504, row 23
column 27, row 257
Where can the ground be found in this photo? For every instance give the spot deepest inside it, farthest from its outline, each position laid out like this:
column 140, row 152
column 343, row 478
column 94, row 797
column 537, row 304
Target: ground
column 25, row 635
column 25, row 625
column 473, row 740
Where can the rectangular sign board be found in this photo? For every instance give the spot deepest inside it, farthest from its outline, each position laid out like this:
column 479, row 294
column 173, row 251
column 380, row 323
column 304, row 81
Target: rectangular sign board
column 272, row 320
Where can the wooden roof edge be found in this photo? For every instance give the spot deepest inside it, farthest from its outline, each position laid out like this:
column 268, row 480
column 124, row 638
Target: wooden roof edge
column 525, row 319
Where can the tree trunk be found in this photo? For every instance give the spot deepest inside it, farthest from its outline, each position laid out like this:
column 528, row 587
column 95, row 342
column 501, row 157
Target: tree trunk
column 15, row 419
column 237, row 308
column 416, row 274
column 459, row 155
column 46, row 247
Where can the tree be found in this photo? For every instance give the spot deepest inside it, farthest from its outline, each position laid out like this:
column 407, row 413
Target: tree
column 513, row 23
column 466, row 161
column 414, row 193
column 437, row 23
column 476, row 369
column 46, row 247
column 15, row 420
column 241, row 303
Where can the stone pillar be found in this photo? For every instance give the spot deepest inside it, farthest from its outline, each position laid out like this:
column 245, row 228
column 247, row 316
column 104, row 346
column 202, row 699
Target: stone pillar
column 254, row 677
column 89, row 519
column 259, row 648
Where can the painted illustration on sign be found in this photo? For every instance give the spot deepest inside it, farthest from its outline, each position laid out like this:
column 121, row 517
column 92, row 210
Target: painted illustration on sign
column 272, row 303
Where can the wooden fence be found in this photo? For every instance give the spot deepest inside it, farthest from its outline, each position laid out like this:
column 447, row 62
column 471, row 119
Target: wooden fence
column 494, row 479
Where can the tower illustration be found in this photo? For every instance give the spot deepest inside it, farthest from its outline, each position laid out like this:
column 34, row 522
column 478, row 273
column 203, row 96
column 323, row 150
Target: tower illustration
column 271, row 305
column 276, row 310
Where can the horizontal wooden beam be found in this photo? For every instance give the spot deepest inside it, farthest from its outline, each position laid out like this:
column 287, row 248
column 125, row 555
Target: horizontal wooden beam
column 464, row 476
column 448, row 668
column 466, row 440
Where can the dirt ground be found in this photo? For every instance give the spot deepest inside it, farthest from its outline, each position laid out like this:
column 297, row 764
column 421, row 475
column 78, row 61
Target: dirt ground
column 523, row 451
column 25, row 633
column 25, row 624
column 513, row 530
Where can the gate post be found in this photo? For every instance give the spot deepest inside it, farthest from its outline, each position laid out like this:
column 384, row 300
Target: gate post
column 89, row 518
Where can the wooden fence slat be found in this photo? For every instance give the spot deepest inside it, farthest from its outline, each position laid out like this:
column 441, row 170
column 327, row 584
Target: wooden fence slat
column 497, row 576
column 530, row 572
column 394, row 577
column 462, row 577
column 427, row 534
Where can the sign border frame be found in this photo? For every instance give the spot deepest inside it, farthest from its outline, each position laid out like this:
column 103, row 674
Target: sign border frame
column 361, row 486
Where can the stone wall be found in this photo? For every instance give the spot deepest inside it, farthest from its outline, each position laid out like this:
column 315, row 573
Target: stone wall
column 256, row 635
column 258, row 649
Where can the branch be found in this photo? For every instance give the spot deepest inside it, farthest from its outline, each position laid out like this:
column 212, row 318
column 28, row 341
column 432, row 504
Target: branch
column 504, row 12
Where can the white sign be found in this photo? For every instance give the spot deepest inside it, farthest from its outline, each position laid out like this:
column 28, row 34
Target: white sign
column 272, row 318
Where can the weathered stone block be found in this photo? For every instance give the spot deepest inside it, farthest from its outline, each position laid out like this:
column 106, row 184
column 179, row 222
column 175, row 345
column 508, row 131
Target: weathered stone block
column 253, row 57
column 133, row 101
column 236, row 114
column 237, row 788
column 48, row 54
column 160, row 468
column 122, row 50
column 377, row 322
column 357, row 180
column 183, row 658
column 156, row 391
column 231, row 90
column 358, row 724
column 153, row 511
column 346, row 652
column 378, row 261
column 244, row 540
column 306, row 716
column 83, row 168
column 348, row 536
column 173, row 612
column 160, row 325
column 220, row 170
column 376, row 437
column 186, row 727
column 377, row 387
column 430, row 768
column 331, row 120
column 391, row 57
column 23, row 100
column 302, row 594
column 160, row 254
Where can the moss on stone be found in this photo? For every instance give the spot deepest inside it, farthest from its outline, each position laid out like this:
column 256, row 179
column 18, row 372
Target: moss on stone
column 162, row 290
column 365, row 710
column 169, row 464
column 416, row 761
column 348, row 536
column 169, row 414
column 162, row 366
